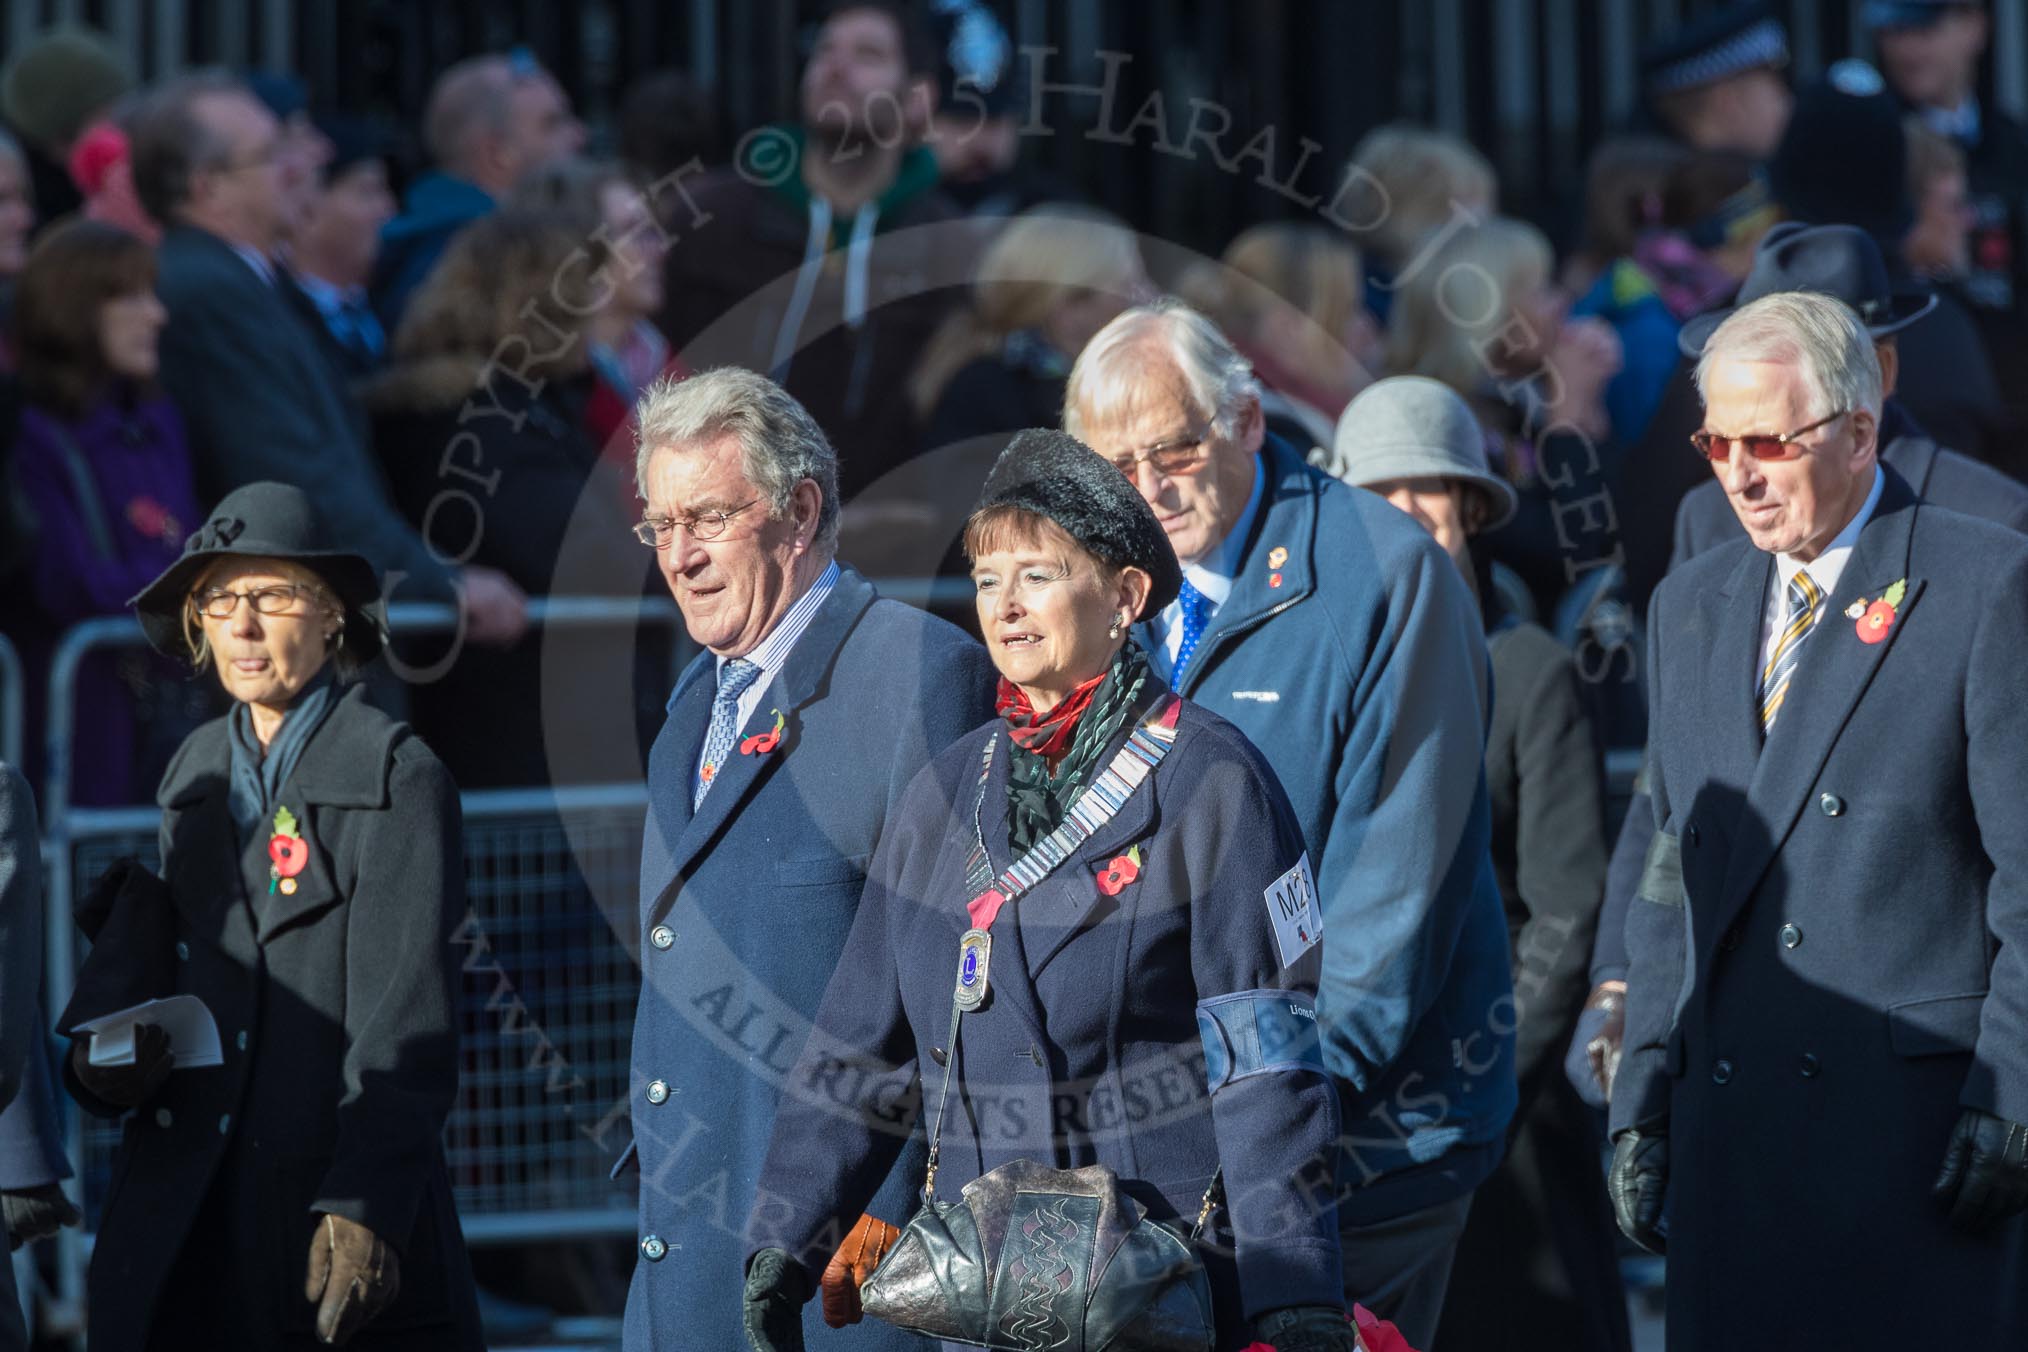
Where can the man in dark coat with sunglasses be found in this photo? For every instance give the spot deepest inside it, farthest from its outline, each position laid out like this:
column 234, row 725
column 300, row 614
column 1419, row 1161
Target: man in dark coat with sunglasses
column 1844, row 262
column 1822, row 1113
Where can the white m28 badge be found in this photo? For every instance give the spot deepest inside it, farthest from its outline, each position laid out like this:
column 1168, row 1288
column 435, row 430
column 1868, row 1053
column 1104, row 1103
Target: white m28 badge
column 1292, row 907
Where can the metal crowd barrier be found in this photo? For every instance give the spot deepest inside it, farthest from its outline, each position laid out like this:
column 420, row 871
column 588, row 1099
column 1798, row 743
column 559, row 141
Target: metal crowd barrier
column 547, row 1008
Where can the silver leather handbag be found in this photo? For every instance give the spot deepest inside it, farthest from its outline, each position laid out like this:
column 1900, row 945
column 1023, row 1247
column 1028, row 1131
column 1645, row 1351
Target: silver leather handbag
column 1035, row 1257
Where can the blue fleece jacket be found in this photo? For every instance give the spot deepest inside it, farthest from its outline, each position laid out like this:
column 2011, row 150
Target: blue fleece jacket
column 1351, row 653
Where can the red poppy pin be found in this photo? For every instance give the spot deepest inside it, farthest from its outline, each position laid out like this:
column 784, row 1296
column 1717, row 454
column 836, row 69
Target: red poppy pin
column 288, row 853
column 1874, row 621
column 763, row 742
column 1123, row 869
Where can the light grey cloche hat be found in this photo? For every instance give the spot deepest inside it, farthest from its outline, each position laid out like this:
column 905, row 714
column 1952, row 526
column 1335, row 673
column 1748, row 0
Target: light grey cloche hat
column 1412, row 427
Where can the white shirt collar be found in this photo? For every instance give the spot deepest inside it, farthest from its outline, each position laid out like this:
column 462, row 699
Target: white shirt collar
column 772, row 652
column 1826, row 568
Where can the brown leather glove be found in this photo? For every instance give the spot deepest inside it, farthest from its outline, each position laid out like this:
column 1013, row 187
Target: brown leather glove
column 868, row 1243
column 354, row 1275
column 127, row 1086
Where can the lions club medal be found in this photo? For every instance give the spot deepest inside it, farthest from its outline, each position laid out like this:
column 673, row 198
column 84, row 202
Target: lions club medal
column 975, row 956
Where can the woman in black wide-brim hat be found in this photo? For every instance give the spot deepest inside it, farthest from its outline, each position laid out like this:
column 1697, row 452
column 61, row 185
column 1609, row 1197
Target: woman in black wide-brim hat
column 1129, row 889
column 311, row 876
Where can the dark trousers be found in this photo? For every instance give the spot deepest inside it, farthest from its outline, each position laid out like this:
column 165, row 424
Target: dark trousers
column 1399, row 1268
column 1538, row 1267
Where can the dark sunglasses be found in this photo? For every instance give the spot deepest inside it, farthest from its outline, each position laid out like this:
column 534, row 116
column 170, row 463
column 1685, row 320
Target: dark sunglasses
column 1759, row 445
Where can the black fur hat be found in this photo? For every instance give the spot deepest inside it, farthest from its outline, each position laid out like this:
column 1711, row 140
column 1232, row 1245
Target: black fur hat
column 1054, row 475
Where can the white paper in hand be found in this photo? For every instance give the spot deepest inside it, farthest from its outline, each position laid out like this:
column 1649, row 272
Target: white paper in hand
column 193, row 1033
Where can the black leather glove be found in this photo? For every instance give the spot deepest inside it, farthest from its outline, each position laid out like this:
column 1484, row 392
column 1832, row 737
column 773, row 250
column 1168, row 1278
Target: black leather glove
column 127, row 1086
column 1985, row 1172
column 37, row 1213
column 1307, row 1328
column 777, row 1288
column 1637, row 1183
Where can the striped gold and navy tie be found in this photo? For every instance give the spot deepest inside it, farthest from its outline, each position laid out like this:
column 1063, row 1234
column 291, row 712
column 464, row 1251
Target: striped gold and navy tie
column 1804, row 596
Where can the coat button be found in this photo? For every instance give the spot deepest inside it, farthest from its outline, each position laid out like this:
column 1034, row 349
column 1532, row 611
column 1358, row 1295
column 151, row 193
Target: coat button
column 225, row 1125
column 1832, row 805
column 1722, row 1072
column 183, row 950
column 940, row 1056
column 1809, row 1065
column 1791, row 936
column 653, row 1249
column 661, row 936
column 658, row 1091
column 164, row 1118
column 240, row 1041
column 1690, row 833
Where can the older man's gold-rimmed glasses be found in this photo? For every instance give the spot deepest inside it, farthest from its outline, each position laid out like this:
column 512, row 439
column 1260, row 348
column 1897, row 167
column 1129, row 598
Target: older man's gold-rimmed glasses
column 659, row 532
column 1172, row 458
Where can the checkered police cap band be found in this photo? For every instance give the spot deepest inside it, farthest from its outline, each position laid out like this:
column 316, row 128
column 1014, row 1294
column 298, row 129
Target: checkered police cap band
column 1761, row 44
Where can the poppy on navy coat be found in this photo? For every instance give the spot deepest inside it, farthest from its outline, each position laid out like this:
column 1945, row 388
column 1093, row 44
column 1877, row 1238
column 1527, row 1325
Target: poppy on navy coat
column 1088, row 1050
column 336, row 1010
column 1853, row 924
column 744, row 908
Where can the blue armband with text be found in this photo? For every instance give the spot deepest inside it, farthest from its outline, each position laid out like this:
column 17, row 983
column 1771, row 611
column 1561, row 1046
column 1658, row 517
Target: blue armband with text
column 1258, row 1033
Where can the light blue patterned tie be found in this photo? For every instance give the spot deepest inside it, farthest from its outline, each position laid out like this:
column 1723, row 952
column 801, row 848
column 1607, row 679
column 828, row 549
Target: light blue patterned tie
column 1196, row 607
column 734, row 677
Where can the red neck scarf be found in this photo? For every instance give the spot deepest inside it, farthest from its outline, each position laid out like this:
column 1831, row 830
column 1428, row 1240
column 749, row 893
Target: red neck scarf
column 1046, row 735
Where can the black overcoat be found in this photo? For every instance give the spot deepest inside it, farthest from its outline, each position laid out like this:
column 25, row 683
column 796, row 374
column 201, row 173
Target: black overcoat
column 1853, row 926
column 336, row 1010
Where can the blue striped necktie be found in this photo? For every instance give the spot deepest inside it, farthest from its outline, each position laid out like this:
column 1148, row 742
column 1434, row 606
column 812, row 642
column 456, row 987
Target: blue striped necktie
column 734, row 677
column 1804, row 598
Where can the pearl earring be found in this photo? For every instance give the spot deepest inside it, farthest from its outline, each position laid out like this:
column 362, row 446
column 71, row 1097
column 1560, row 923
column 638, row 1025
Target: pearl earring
column 1114, row 632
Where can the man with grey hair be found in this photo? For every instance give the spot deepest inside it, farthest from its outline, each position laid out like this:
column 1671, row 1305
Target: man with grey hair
column 261, row 399
column 788, row 742
column 1822, row 1111
column 489, row 122
column 1339, row 637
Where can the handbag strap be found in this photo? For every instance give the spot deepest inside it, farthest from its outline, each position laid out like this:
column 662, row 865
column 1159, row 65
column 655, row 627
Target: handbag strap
column 1207, row 1206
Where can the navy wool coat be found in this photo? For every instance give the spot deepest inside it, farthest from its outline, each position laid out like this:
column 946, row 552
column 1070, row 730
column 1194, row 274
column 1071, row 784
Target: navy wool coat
column 336, row 1010
column 744, row 909
column 1351, row 653
column 1088, row 1049
column 1845, row 967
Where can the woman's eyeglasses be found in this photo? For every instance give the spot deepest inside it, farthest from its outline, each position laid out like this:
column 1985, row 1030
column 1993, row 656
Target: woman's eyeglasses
column 220, row 604
column 659, row 532
column 1759, row 445
column 1170, row 458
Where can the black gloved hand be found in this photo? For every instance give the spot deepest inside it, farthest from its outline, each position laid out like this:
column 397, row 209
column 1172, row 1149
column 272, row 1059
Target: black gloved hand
column 131, row 1085
column 1637, row 1183
column 777, row 1288
column 1985, row 1172
column 37, row 1213
column 1307, row 1328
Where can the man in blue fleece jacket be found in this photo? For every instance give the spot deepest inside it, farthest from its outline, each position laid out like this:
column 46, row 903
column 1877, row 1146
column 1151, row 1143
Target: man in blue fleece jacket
column 1334, row 632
